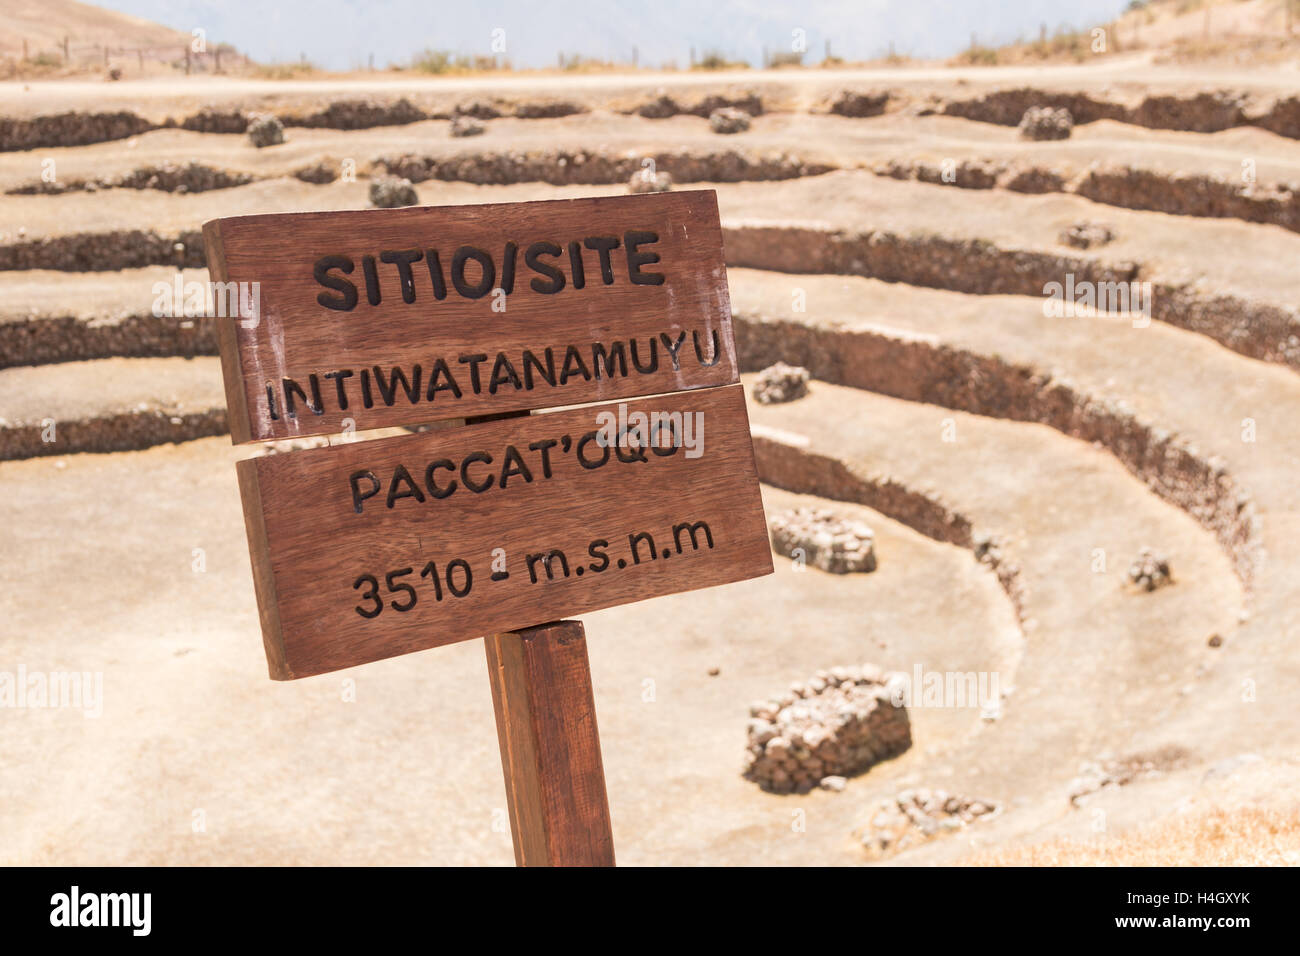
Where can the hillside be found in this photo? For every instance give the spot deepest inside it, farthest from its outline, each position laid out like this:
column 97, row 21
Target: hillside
column 53, row 37
column 1243, row 32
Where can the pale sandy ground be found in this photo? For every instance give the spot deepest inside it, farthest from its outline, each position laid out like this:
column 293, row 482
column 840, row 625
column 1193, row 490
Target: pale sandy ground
column 838, row 140
column 99, row 550
column 1127, row 74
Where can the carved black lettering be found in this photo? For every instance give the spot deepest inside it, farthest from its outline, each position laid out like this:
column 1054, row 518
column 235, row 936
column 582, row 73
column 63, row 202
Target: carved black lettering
column 487, row 272
column 715, row 355
column 508, row 268
column 434, row 489
column 459, row 564
column 575, row 265
column 338, row 377
column 546, row 558
column 544, row 446
column 514, row 464
column 597, row 550
column 634, row 542
column 573, row 365
column 553, row 273
column 635, row 260
column 607, row 359
column 441, row 380
column 402, row 477
column 316, row 405
column 654, row 358
column 345, row 302
column 402, row 258
column 583, row 442
column 674, row 348
column 503, row 373
column 357, row 496
column 547, row 371
column 435, row 273
column 372, row 279
column 290, row 389
column 474, row 361
column 388, row 389
column 692, row 528
column 367, row 399
column 476, row 487
column 603, row 245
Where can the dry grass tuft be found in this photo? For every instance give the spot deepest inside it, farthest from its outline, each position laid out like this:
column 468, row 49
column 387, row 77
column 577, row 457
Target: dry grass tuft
column 1246, row 837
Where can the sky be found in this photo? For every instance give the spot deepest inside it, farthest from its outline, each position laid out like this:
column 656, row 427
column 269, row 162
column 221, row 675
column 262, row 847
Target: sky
column 342, row 34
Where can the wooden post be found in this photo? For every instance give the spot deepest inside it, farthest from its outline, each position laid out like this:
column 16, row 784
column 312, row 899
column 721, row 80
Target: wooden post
column 550, row 749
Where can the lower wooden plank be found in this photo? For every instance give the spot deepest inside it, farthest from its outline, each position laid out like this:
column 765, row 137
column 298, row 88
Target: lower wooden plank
column 378, row 548
column 550, row 747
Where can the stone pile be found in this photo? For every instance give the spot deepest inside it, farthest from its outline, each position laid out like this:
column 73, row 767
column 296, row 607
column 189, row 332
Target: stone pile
column 646, row 180
column 170, row 177
column 1085, row 235
column 824, row 540
column 856, row 104
column 319, row 173
column 1044, row 122
column 210, row 120
column 1150, row 570
column 388, row 192
column 1107, row 772
column 463, row 125
column 914, row 816
column 566, row 167
column 479, row 109
column 361, row 113
column 265, row 131
column 728, row 120
column 781, row 383
column 835, row 725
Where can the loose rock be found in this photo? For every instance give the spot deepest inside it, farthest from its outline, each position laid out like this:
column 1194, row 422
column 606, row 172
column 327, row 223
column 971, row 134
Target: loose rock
column 819, row 737
column 265, row 131
column 851, row 103
column 781, row 383
column 647, row 180
column 1150, row 570
column 661, row 107
column 1085, row 235
column 1044, row 122
column 464, row 125
column 728, row 120
column 391, row 191
column 318, row 173
column 1110, row 772
column 834, row 544
column 914, row 816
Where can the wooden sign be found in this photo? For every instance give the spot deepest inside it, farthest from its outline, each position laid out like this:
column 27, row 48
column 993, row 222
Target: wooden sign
column 375, row 548
column 358, row 320
column 498, row 528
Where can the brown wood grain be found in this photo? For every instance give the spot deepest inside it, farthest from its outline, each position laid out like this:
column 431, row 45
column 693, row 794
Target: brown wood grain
column 310, row 545
column 295, row 336
column 550, row 747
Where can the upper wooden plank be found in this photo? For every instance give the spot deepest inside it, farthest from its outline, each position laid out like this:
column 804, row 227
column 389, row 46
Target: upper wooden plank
column 385, row 317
